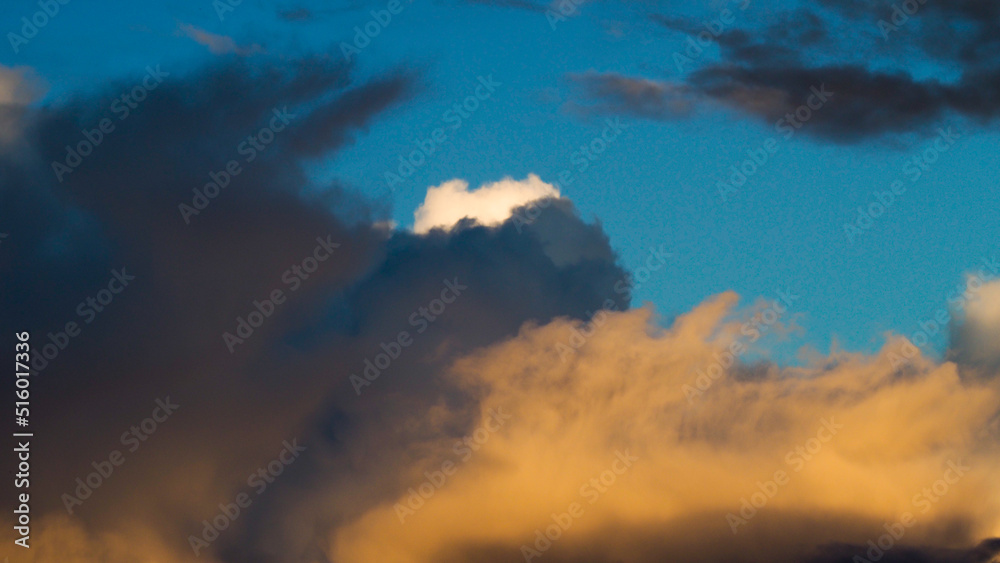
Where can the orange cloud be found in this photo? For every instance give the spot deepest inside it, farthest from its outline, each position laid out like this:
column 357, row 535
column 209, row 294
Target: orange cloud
column 896, row 435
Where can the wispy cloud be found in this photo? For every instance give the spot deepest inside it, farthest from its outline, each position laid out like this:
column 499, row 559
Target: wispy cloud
column 20, row 85
column 218, row 44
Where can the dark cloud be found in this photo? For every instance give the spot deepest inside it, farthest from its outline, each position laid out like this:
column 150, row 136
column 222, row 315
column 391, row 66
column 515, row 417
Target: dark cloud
column 881, row 66
column 619, row 94
column 783, row 538
column 162, row 335
column 985, row 552
column 783, row 42
column 862, row 103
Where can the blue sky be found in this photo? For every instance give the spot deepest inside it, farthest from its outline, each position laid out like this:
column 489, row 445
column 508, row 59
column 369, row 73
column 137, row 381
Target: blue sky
column 655, row 185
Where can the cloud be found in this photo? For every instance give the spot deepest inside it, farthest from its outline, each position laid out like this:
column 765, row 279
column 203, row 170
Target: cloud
column 641, row 97
column 490, row 204
column 218, row 44
column 860, row 103
column 974, row 341
column 20, row 85
column 162, row 336
column 878, row 440
column 890, row 76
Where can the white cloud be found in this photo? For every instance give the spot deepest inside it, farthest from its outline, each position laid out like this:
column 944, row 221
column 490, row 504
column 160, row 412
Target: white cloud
column 490, row 204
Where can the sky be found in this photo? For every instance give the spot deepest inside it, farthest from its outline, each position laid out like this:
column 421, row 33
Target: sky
column 657, row 184
column 693, row 232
